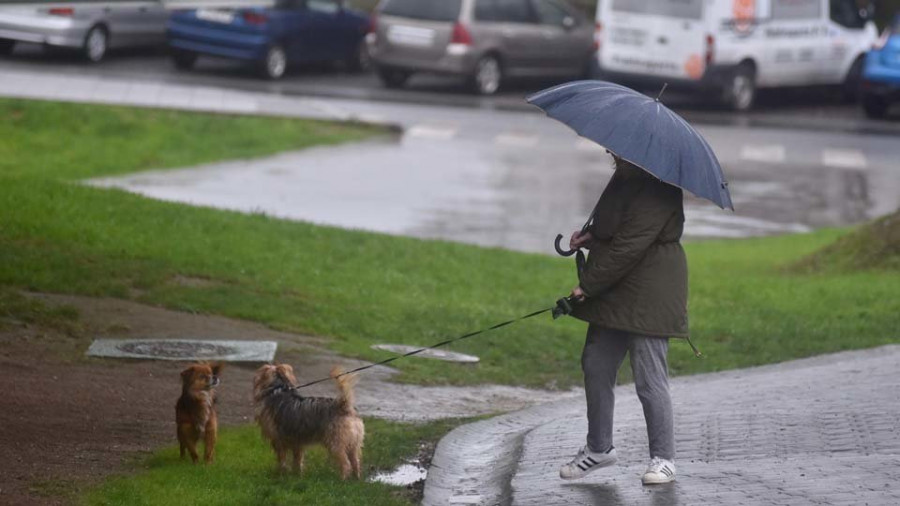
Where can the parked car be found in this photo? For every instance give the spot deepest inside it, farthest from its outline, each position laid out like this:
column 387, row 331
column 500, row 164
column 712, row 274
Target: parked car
column 730, row 48
column 881, row 75
column 486, row 41
column 91, row 28
column 293, row 31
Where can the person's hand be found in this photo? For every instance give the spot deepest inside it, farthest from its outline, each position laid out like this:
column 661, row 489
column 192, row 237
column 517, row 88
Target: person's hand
column 579, row 239
column 578, row 293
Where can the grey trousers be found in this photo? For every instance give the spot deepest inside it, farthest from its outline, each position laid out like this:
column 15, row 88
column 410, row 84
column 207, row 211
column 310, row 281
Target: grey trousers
column 604, row 352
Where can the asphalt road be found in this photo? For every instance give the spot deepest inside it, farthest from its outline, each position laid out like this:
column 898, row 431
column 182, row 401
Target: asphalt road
column 479, row 171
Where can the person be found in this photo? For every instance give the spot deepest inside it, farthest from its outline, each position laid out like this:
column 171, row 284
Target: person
column 632, row 291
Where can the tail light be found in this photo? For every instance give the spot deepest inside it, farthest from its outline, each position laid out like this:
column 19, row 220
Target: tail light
column 882, row 41
column 461, row 35
column 255, row 18
column 598, row 33
column 61, row 11
column 710, row 49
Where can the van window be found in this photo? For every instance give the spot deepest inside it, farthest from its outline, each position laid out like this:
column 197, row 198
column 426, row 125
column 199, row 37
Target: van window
column 796, row 9
column 686, row 9
column 549, row 13
column 506, row 11
column 430, row 10
column 851, row 13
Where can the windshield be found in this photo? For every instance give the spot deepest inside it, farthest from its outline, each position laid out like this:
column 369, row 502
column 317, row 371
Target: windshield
column 431, row 10
column 686, row 9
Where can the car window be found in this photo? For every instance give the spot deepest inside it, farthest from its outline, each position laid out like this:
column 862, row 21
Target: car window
column 796, row 9
column 430, row 10
column 549, row 13
column 687, row 9
column 290, row 4
column 851, row 13
column 514, row 11
column 324, row 6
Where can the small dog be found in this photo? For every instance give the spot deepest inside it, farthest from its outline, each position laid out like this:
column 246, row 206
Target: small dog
column 292, row 422
column 195, row 411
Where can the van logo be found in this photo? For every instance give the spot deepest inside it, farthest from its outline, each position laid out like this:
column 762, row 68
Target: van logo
column 744, row 13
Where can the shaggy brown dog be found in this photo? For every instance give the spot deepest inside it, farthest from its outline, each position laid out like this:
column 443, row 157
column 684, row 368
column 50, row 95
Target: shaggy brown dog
column 292, row 422
column 195, row 412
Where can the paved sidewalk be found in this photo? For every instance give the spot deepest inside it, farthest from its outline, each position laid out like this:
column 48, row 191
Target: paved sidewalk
column 823, row 431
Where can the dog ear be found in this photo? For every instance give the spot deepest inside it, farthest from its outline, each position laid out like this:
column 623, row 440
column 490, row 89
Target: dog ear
column 186, row 374
column 217, row 368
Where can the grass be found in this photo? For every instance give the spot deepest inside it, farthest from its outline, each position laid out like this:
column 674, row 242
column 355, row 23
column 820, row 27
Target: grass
column 244, row 473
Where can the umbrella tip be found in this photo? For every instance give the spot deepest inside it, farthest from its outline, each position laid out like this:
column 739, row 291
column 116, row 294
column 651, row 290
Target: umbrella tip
column 663, row 90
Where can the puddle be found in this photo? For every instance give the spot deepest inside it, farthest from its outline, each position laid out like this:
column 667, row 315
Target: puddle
column 184, row 349
column 405, row 475
column 448, row 356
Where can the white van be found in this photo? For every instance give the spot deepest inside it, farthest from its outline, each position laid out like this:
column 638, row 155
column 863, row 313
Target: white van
column 733, row 47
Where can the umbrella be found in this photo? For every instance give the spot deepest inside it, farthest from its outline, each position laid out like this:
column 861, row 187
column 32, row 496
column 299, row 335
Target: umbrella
column 640, row 130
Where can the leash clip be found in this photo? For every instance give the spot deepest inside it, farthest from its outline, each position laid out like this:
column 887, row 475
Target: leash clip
column 563, row 307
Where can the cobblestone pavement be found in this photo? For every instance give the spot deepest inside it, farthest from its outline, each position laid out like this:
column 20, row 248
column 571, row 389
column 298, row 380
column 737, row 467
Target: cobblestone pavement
column 821, row 431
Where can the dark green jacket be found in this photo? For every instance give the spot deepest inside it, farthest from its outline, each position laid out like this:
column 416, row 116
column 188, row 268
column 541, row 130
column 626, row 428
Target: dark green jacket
column 635, row 276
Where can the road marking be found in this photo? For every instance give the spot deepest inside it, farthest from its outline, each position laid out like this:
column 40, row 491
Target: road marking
column 514, row 139
column 766, row 153
column 433, row 132
column 844, row 158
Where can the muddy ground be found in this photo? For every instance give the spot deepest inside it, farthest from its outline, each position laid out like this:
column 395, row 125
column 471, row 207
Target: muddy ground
column 66, row 421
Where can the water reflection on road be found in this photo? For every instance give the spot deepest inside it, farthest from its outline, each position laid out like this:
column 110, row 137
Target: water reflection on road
column 506, row 194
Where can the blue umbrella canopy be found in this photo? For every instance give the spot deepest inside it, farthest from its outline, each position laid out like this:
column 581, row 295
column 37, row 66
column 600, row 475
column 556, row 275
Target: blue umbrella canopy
column 640, row 130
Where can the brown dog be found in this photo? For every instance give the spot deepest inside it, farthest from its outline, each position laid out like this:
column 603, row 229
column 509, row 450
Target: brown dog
column 292, row 422
column 195, row 412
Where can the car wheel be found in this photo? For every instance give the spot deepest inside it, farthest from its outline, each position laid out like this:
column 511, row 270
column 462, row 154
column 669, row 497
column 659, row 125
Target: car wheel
column 6, row 46
column 360, row 60
column 851, row 87
column 488, row 76
column 393, row 78
column 274, row 64
column 875, row 106
column 96, row 42
column 183, row 60
column 740, row 92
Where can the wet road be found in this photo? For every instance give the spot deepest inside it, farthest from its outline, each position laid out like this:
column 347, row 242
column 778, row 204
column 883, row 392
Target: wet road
column 494, row 175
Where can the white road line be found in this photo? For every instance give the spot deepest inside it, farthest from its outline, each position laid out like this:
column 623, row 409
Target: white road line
column 520, row 140
column 766, row 153
column 844, row 158
column 433, row 132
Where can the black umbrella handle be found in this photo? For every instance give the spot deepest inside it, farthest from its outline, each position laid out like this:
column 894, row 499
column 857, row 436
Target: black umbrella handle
column 559, row 250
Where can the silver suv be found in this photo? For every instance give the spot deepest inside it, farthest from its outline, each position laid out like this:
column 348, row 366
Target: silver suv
column 484, row 40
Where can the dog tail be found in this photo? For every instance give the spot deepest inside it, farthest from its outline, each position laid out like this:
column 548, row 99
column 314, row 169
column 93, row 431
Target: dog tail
column 345, row 385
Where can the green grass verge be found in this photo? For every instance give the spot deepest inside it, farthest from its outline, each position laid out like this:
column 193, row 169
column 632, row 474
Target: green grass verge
column 361, row 288
column 245, row 474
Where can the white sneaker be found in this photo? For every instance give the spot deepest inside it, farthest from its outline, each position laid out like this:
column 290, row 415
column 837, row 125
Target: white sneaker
column 659, row 471
column 587, row 461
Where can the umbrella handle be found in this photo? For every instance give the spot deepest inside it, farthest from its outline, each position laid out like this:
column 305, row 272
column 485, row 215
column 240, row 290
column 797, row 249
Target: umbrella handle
column 559, row 250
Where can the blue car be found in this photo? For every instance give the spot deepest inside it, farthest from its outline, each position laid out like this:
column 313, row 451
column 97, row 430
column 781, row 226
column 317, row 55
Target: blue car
column 881, row 75
column 292, row 31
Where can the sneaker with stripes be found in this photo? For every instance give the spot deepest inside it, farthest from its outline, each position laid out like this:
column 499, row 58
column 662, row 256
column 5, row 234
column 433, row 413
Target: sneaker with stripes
column 587, row 461
column 659, row 471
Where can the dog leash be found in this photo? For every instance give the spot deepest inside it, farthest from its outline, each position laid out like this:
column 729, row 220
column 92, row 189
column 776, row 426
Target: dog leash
column 563, row 307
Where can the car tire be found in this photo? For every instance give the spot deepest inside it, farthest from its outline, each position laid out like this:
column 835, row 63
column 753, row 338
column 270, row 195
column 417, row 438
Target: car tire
column 274, row 65
column 487, row 77
column 7, row 46
column 360, row 60
column 183, row 60
column 740, row 92
column 393, row 78
column 95, row 45
column 851, row 89
column 875, row 106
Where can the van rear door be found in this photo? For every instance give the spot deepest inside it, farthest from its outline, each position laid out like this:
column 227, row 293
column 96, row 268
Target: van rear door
column 417, row 30
column 658, row 38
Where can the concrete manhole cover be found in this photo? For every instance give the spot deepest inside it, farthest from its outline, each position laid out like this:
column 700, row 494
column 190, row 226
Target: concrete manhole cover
column 449, row 356
column 184, row 349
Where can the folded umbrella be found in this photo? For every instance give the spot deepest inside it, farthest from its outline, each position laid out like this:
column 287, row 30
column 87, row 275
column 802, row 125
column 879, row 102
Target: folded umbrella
column 640, row 130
